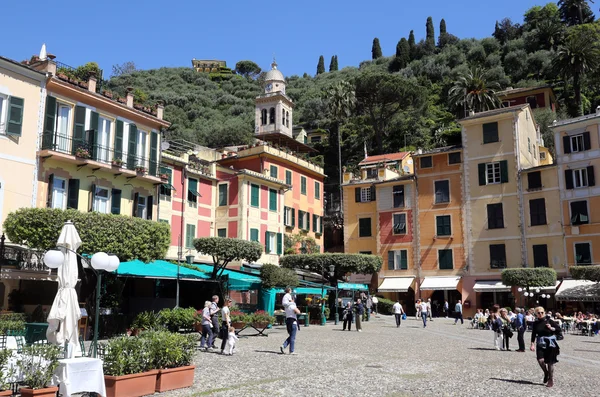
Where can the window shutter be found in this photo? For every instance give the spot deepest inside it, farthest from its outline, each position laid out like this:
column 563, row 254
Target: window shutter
column 93, row 136
column 403, row 260
column 78, row 128
column 49, row 122
column 307, row 226
column 149, row 206
column 115, row 202
column 73, row 194
column 504, row 171
column 50, row 187
column 373, row 193
column 279, row 243
column 357, row 194
column 254, row 235
column 566, row 144
column 153, row 162
column 590, row 175
column 93, row 197
column 391, row 260
column 482, row 177
column 315, row 223
column 192, row 187
column 14, row 122
column 267, row 243
column 301, row 219
column 587, row 144
column 321, row 226
column 119, row 141
column 131, row 155
column 293, row 224
column 569, row 179
column 135, row 201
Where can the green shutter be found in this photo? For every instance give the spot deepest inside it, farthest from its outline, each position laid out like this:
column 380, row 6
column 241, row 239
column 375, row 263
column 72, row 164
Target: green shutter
column 78, row 129
column 288, row 177
column 190, row 235
column 307, row 221
column 73, row 194
column 279, row 243
column 273, row 171
column 482, row 176
column 50, row 188
column 132, row 147
column 115, row 202
column 267, row 243
column 93, row 137
column 192, row 190
column 403, row 260
column 373, row 193
column 321, row 226
column 119, row 141
column 254, row 195
column 222, row 194
column 504, row 171
column 254, row 235
column 93, row 197
column 153, row 162
column 315, row 222
column 303, row 185
column 49, row 123
column 272, row 200
column 293, row 224
column 391, row 260
column 317, row 190
column 300, row 219
column 14, row 122
column 357, row 194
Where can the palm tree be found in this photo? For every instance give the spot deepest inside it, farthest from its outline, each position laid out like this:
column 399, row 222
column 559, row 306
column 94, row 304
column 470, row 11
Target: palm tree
column 474, row 91
column 341, row 102
column 578, row 55
column 575, row 12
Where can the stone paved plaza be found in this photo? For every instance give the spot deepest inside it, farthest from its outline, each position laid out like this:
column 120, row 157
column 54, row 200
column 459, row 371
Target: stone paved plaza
column 441, row 360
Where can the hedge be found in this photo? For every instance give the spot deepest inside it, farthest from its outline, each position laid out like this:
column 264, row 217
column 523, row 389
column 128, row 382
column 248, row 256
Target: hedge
column 126, row 237
column 529, row 277
column 591, row 273
column 384, row 306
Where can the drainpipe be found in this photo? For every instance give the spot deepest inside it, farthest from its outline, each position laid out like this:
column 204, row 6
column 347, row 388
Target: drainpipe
column 520, row 197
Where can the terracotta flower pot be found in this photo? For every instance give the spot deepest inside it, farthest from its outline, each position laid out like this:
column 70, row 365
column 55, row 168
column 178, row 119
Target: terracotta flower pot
column 262, row 324
column 198, row 327
column 6, row 393
column 238, row 324
column 45, row 392
column 134, row 385
column 175, row 378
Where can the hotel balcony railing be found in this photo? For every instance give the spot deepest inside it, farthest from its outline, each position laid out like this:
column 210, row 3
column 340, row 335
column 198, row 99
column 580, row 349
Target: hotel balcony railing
column 86, row 149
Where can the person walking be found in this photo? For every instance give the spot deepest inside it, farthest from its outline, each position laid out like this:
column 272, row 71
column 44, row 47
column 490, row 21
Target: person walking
column 417, row 309
column 506, row 331
column 287, row 298
column 206, row 340
column 347, row 314
column 429, row 310
column 369, row 305
column 446, row 307
column 544, row 336
column 291, row 323
column 226, row 323
column 423, row 311
column 360, row 310
column 214, row 316
column 520, row 327
column 496, row 329
column 375, row 302
column 459, row 314
column 397, row 309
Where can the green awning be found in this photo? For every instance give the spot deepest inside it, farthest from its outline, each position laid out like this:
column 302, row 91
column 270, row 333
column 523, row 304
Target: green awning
column 237, row 281
column 353, row 286
column 159, row 270
column 168, row 186
column 195, row 193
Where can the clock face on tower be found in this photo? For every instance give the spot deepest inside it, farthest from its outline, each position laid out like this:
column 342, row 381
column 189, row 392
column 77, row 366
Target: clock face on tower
column 269, row 87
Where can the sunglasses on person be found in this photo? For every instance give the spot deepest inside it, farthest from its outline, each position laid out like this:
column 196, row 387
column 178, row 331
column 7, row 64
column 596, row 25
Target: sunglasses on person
column 539, row 312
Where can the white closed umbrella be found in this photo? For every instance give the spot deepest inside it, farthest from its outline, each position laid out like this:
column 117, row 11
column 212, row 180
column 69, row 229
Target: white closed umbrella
column 64, row 316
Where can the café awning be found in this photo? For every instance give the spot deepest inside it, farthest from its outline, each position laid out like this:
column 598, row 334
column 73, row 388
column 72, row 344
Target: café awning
column 353, row 286
column 396, row 284
column 490, row 286
column 158, row 269
column 578, row 290
column 440, row 283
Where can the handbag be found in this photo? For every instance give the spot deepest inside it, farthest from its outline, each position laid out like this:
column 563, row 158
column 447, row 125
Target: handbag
column 403, row 316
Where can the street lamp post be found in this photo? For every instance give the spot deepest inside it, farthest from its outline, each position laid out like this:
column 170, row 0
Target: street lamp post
column 533, row 294
column 331, row 274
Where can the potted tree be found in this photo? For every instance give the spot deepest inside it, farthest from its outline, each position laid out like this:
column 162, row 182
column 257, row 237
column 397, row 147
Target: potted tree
column 128, row 368
column 143, row 321
column 172, row 356
column 38, row 363
column 238, row 319
column 261, row 319
column 5, row 372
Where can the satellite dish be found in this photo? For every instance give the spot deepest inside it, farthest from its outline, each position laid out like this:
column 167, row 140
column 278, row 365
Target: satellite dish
column 409, row 161
column 406, row 169
column 164, row 145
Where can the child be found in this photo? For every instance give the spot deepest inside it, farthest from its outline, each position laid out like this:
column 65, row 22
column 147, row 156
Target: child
column 231, row 340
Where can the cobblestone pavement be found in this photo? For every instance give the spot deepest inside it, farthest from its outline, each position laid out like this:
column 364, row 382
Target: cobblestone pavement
column 440, row 360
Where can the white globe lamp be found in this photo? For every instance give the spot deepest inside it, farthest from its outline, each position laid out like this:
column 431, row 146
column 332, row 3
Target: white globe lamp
column 520, row 289
column 537, row 290
column 54, row 258
column 100, row 261
column 113, row 263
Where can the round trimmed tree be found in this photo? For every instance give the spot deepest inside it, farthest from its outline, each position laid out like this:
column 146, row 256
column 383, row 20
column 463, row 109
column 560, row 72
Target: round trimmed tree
column 529, row 277
column 225, row 250
column 591, row 273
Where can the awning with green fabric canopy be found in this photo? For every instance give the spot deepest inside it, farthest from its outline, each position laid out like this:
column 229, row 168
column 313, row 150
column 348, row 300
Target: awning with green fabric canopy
column 353, row 286
column 159, row 269
column 238, row 281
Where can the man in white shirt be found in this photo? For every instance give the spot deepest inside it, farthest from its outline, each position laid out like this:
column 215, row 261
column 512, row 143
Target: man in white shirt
column 287, row 298
column 397, row 309
column 375, row 302
column 291, row 322
column 423, row 310
column 429, row 314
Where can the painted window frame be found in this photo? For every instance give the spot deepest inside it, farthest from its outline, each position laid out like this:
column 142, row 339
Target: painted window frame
column 54, row 192
column 105, row 200
column 580, row 178
column 365, row 194
column 226, row 195
column 577, row 143
column 3, row 113
column 496, row 173
column 144, row 207
column 400, row 230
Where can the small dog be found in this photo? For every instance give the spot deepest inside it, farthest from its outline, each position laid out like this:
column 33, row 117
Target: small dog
column 232, row 339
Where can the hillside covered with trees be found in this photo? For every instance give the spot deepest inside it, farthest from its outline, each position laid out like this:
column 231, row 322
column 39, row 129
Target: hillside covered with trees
column 412, row 97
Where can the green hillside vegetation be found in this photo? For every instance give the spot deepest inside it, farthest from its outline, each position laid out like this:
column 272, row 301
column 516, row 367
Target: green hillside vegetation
column 412, row 97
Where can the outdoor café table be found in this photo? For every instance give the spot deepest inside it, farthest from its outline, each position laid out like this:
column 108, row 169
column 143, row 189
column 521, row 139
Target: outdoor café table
column 11, row 342
column 78, row 375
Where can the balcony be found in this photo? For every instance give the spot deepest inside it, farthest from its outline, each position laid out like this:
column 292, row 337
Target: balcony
column 87, row 150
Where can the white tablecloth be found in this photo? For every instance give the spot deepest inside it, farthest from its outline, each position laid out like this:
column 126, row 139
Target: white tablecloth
column 77, row 375
column 11, row 342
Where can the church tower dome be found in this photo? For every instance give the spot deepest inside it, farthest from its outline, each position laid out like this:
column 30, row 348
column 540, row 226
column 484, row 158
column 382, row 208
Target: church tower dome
column 274, row 80
column 274, row 109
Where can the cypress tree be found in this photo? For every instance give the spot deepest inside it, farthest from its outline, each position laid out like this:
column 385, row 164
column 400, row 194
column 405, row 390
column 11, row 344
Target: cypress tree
column 412, row 45
column 333, row 66
column 443, row 27
column 442, row 39
column 336, row 63
column 376, row 49
column 321, row 65
column 402, row 57
column 430, row 35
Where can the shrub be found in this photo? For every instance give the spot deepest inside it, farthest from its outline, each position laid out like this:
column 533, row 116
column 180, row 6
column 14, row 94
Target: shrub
column 5, row 354
column 11, row 322
column 145, row 321
column 176, row 319
column 591, row 273
column 261, row 316
column 529, row 277
column 168, row 349
column 38, row 362
column 384, row 306
column 239, row 316
column 125, row 355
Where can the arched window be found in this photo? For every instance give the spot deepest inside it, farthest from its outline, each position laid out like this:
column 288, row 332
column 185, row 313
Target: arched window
column 282, row 116
column 263, row 117
column 272, row 116
column 287, row 119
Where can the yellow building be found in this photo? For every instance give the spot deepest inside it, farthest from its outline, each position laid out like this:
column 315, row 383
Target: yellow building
column 578, row 156
column 440, row 238
column 95, row 153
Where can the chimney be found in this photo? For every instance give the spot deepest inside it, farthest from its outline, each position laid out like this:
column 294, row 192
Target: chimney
column 92, row 83
column 129, row 97
column 160, row 110
column 597, row 110
column 47, row 66
column 471, row 113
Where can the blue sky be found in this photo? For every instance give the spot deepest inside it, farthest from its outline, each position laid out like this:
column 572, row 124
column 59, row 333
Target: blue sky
column 155, row 33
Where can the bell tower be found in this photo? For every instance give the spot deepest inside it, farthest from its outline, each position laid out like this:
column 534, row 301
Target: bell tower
column 274, row 108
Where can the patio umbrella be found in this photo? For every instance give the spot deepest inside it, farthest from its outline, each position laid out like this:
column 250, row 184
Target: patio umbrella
column 65, row 313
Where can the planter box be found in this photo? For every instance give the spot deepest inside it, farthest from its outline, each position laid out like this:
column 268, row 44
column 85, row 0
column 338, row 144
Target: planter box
column 261, row 325
column 238, row 324
column 6, row 393
column 175, row 378
column 135, row 385
column 45, row 392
